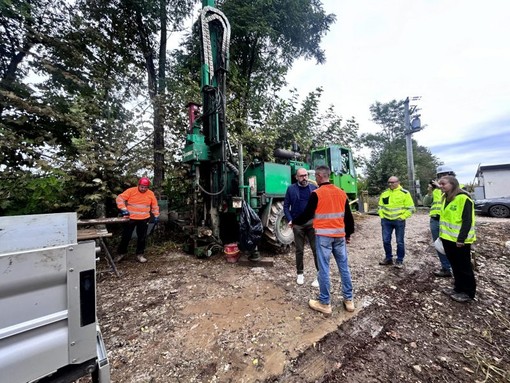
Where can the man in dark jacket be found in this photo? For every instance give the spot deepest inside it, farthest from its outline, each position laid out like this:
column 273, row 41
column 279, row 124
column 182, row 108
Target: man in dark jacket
column 295, row 202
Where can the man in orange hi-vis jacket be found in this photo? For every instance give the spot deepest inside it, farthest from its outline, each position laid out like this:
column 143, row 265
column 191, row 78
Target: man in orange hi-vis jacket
column 334, row 224
column 137, row 203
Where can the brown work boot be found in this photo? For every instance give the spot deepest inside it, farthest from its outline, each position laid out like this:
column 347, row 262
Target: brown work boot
column 141, row 258
column 317, row 306
column 443, row 273
column 461, row 297
column 349, row 305
column 448, row 291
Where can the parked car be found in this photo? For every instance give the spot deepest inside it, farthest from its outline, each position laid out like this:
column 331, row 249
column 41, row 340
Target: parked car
column 495, row 207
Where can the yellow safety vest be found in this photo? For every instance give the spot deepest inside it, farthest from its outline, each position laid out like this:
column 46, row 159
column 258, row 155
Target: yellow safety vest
column 451, row 219
column 435, row 208
column 396, row 204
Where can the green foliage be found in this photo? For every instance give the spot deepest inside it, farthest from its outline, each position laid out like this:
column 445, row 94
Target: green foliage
column 84, row 85
column 26, row 194
column 267, row 36
column 388, row 150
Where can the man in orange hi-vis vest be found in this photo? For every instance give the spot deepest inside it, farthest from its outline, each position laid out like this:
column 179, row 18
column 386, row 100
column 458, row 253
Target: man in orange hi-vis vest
column 334, row 224
column 137, row 203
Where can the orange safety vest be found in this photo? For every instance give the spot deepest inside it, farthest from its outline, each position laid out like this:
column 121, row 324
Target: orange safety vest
column 139, row 205
column 329, row 214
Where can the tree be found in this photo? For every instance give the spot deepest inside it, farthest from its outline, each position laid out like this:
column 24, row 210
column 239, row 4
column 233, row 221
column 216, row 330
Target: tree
column 388, row 149
column 267, row 36
column 86, row 86
column 143, row 27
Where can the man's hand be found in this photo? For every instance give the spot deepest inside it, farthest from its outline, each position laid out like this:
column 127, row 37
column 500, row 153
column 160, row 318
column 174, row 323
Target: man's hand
column 291, row 225
column 156, row 220
column 347, row 239
column 124, row 213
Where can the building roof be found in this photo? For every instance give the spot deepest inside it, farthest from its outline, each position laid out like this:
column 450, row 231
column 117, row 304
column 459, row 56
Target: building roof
column 486, row 168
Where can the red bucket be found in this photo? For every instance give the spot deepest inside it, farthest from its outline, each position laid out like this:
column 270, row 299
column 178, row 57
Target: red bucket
column 231, row 252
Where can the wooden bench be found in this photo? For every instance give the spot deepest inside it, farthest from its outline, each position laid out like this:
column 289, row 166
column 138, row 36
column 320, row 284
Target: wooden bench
column 97, row 231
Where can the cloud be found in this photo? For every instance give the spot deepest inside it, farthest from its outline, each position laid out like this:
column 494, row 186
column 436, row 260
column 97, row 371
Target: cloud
column 451, row 54
column 487, row 143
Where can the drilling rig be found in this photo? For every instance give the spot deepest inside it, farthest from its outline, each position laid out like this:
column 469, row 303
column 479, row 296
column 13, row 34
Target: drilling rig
column 221, row 182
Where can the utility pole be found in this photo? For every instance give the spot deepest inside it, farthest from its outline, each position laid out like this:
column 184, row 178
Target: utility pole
column 410, row 128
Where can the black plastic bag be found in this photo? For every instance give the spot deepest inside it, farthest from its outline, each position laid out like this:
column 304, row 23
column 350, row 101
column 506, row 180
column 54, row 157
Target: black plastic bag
column 250, row 228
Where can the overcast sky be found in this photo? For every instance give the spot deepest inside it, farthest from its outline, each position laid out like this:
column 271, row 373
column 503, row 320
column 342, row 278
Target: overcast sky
column 454, row 54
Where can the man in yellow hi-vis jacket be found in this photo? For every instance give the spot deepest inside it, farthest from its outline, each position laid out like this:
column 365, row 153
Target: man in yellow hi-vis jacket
column 395, row 206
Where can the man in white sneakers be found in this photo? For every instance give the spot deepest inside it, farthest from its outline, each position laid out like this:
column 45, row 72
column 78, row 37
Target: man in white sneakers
column 296, row 198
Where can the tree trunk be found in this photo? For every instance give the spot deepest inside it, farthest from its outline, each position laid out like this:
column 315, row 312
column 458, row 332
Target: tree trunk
column 159, row 109
column 156, row 86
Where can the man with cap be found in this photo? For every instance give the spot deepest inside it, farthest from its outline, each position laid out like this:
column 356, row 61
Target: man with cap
column 137, row 204
column 435, row 209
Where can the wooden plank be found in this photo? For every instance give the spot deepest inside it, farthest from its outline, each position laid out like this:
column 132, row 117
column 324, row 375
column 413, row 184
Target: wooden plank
column 102, row 221
column 263, row 262
column 92, row 234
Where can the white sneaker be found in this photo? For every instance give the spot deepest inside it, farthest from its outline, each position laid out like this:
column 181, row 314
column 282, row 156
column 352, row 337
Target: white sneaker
column 141, row 258
column 300, row 279
column 315, row 283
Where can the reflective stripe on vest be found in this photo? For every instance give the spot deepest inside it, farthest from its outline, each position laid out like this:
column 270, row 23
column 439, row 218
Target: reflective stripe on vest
column 329, row 215
column 330, row 232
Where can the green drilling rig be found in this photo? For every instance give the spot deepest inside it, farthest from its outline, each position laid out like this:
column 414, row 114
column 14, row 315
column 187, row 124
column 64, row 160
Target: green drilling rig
column 221, row 182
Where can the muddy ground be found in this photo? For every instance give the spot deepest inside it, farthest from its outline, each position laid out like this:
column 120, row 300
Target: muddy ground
column 182, row 319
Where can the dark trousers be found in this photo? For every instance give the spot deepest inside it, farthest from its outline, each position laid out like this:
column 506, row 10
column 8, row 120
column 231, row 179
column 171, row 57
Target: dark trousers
column 300, row 233
column 141, row 234
column 399, row 225
column 460, row 259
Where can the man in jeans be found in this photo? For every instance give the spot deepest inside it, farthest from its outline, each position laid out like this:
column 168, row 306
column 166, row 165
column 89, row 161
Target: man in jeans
column 295, row 202
column 333, row 223
column 395, row 206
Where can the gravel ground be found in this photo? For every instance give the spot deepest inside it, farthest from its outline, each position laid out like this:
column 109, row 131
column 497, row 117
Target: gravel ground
column 182, row 319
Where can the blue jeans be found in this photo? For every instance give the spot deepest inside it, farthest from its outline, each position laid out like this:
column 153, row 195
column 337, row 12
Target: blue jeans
column 325, row 246
column 434, row 230
column 399, row 225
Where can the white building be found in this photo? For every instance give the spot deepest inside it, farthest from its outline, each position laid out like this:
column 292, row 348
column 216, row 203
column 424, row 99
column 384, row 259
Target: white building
column 493, row 181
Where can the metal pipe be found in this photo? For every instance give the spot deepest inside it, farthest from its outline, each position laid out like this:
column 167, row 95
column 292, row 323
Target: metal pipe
column 409, row 150
column 241, row 171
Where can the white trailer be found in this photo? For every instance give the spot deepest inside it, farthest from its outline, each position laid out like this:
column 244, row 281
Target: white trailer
column 48, row 326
